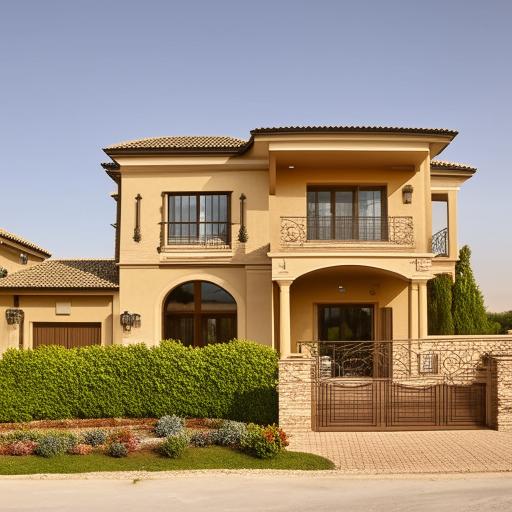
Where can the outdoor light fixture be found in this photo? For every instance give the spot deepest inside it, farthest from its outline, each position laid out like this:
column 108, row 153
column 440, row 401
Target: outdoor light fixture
column 135, row 320
column 14, row 316
column 242, row 233
column 23, row 258
column 341, row 288
column 407, row 194
column 129, row 320
column 291, row 167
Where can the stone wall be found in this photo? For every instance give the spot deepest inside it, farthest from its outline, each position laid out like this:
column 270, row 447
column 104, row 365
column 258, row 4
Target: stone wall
column 503, row 379
column 296, row 390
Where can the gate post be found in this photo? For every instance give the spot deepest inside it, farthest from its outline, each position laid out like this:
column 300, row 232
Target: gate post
column 502, row 383
column 296, row 388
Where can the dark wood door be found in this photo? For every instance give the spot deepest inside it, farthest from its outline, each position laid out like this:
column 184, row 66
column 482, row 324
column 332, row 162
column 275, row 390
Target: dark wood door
column 69, row 335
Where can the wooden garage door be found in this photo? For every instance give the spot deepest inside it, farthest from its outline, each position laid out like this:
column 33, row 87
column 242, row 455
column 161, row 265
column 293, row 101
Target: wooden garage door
column 68, row 335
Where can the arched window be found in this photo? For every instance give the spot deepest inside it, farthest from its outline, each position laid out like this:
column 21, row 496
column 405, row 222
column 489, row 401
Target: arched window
column 198, row 313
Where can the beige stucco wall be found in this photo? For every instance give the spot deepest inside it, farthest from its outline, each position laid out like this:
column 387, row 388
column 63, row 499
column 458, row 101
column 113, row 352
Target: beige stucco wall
column 10, row 257
column 85, row 307
column 144, row 291
column 152, row 180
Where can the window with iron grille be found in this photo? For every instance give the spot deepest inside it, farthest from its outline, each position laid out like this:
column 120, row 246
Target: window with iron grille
column 199, row 218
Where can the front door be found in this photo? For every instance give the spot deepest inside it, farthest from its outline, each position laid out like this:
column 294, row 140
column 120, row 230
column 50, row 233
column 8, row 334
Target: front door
column 346, row 333
column 345, row 322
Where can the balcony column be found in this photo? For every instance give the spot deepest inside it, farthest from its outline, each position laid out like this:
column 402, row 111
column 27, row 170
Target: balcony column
column 413, row 310
column 423, row 309
column 285, row 344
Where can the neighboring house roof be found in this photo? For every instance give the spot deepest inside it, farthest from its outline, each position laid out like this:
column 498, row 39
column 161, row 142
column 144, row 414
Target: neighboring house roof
column 66, row 274
column 233, row 145
column 22, row 241
column 443, row 164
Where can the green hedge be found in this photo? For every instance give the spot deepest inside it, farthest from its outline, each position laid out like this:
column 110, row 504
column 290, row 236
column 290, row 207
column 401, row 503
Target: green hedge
column 235, row 380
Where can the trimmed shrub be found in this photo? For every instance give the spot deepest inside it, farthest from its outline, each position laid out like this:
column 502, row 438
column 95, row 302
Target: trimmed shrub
column 235, row 380
column 20, row 448
column 95, row 437
column 174, row 446
column 264, row 442
column 169, row 426
column 117, row 450
column 201, row 438
column 20, row 435
column 80, row 449
column 440, row 320
column 125, row 437
column 51, row 445
column 230, row 433
column 468, row 309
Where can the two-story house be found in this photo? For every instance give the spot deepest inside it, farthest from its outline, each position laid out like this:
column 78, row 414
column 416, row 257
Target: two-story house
column 297, row 234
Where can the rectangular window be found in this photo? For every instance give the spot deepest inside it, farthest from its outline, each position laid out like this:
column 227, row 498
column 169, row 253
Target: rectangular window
column 199, row 219
column 346, row 213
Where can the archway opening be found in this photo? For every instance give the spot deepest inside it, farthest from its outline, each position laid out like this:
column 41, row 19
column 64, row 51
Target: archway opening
column 198, row 313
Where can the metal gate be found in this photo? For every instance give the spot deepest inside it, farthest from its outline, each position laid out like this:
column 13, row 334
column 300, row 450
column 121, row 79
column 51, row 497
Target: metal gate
column 411, row 385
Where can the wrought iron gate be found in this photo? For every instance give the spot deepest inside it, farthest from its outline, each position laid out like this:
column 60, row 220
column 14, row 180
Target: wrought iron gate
column 413, row 385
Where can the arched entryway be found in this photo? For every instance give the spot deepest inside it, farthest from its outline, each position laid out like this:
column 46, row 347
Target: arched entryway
column 199, row 312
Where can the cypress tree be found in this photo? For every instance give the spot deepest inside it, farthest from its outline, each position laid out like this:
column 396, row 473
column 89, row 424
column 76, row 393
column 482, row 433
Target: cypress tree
column 468, row 309
column 440, row 320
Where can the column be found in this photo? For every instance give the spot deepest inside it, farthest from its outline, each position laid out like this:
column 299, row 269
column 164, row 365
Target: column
column 423, row 309
column 413, row 310
column 285, row 344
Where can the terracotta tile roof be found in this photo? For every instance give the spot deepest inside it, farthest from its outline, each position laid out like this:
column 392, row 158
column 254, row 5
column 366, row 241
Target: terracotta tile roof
column 443, row 164
column 355, row 129
column 66, row 274
column 18, row 239
column 181, row 143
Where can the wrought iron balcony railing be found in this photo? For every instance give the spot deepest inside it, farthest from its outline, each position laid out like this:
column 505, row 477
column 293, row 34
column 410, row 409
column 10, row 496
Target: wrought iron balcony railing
column 207, row 234
column 302, row 230
column 440, row 243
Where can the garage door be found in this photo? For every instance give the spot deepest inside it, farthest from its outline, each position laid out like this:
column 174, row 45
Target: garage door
column 69, row 335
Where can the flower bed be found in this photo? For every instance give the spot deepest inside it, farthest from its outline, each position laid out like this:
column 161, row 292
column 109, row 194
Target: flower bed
column 170, row 436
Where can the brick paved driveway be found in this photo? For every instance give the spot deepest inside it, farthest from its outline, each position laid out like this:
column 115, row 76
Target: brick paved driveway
column 458, row 451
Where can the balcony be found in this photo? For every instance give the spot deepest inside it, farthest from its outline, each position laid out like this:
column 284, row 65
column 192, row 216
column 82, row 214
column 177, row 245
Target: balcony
column 329, row 230
column 440, row 243
column 196, row 234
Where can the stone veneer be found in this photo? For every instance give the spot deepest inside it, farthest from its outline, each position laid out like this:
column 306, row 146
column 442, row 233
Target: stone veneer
column 296, row 388
column 503, row 379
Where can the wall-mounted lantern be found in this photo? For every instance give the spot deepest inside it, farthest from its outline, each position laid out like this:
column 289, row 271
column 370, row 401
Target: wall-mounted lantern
column 341, row 288
column 242, row 233
column 135, row 320
column 14, row 316
column 137, row 237
column 407, row 194
column 129, row 320
column 23, row 258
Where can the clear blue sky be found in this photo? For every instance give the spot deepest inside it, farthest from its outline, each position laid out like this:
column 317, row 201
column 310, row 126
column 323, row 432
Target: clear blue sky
column 76, row 76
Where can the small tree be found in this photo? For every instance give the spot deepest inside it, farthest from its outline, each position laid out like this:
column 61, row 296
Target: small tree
column 468, row 309
column 440, row 320
column 501, row 321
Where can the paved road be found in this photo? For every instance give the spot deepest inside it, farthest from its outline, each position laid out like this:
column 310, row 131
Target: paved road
column 261, row 492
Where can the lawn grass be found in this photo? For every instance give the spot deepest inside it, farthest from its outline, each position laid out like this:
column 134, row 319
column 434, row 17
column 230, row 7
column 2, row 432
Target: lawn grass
column 215, row 457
